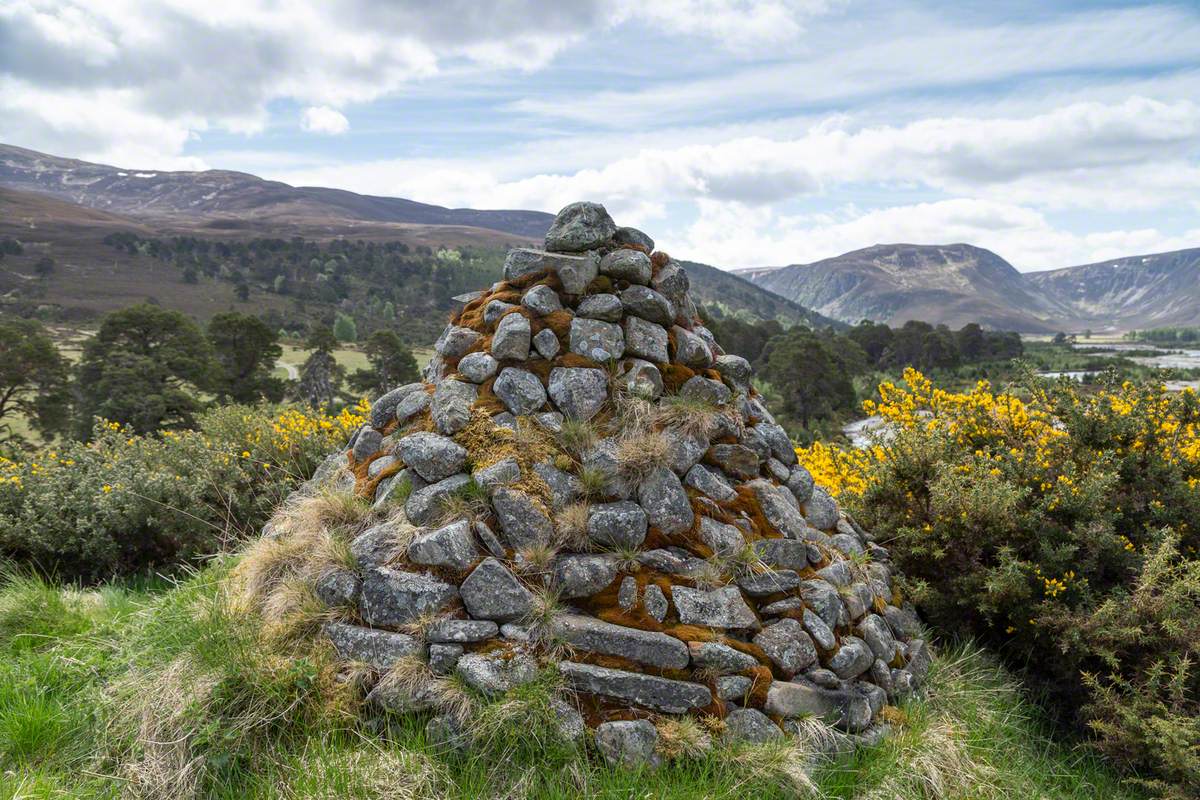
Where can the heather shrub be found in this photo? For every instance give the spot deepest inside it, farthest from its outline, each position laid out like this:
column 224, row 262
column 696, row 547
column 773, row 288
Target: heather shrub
column 1060, row 528
column 125, row 502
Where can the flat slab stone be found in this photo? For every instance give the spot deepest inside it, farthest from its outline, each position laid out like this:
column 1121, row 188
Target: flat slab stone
column 450, row 546
column 716, row 608
column 462, row 631
column 391, row 597
column 649, row 691
column 492, row 674
column 492, row 592
column 583, row 575
column 379, row 649
column 645, row 647
column 720, row 658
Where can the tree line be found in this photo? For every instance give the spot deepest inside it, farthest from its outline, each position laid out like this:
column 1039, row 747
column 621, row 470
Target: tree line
column 155, row 369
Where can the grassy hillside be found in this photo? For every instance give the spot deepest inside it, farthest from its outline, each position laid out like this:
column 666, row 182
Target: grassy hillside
column 162, row 690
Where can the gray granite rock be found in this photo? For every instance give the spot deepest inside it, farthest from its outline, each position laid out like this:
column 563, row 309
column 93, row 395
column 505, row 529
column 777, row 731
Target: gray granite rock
column 801, row 483
column 627, row 265
column 720, row 658
column 501, row 473
column 691, row 350
column 852, row 659
column 736, row 370
column 605, row 307
column 546, row 343
column 650, row 691
column 627, row 235
column 492, row 592
column 542, row 300
column 645, row 647
column 779, row 508
column 424, row 505
column 575, row 272
column 522, row 519
column 565, row 488
column 337, row 588
column 494, row 673
column 823, row 599
column 709, row 482
column 578, row 227
column 478, row 367
column 761, row 584
column 627, row 594
column 595, row 339
column 378, row 649
column 666, row 503
column 819, row 631
column 782, row 553
column 655, row 602
column 461, row 631
column 751, row 725
column 494, row 310
column 780, row 442
column 376, row 546
column 903, row 622
column 488, row 538
column 451, row 546
column 412, row 405
column 645, row 339
column 705, row 390
column 380, row 464
column 583, row 575
column 520, row 391
column 821, row 510
column 628, row 743
column 787, row 645
column 367, row 443
column 451, row 405
column 735, row 459
column 455, row 341
column 685, row 450
column 722, row 539
column 578, row 392
column 732, row 687
column 512, row 338
column 390, row 598
column 640, row 378
column 619, row 525
column 644, row 302
column 715, row 608
column 384, row 408
column 781, row 606
column 672, row 281
column 434, row 457
column 443, row 658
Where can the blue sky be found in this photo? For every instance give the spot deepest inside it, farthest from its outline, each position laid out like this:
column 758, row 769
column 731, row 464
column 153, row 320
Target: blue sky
column 737, row 133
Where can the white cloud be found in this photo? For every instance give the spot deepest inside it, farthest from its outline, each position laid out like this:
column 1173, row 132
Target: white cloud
column 323, row 119
column 734, row 236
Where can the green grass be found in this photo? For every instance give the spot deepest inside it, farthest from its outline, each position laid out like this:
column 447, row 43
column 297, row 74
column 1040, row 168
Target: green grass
column 162, row 691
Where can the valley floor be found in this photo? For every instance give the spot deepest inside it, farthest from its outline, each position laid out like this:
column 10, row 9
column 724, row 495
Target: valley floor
column 161, row 690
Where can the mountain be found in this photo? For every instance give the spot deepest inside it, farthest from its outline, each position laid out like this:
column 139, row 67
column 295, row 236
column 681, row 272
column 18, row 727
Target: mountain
column 233, row 196
column 69, row 210
column 893, row 283
column 1148, row 291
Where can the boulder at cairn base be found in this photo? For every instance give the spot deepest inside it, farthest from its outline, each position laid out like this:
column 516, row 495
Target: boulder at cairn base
column 587, row 485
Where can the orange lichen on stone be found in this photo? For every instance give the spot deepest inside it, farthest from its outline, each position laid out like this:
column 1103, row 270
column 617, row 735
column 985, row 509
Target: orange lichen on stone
column 487, row 401
column 576, row 360
column 557, row 321
column 675, row 376
column 746, row 503
column 365, row 487
column 658, row 260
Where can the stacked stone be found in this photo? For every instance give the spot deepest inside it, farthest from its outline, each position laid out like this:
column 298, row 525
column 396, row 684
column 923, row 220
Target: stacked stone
column 722, row 583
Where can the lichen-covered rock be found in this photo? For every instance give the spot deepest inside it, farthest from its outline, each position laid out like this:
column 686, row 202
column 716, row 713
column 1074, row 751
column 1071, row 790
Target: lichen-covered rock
column 451, row 405
column 451, row 546
column 787, row 645
column 492, row 592
column 338, row 588
column 779, row 508
column 645, row 339
column 391, row 598
column 626, row 265
column 852, row 659
column 821, row 510
column 512, row 338
column 524, row 522
column 425, row 505
column 542, row 300
column 735, row 459
column 378, row 649
column 455, row 341
column 644, row 302
column 501, row 473
column 520, row 391
column 640, row 378
column 546, row 343
column 715, row 608
column 384, row 409
column 493, row 673
column 597, row 340
column 691, row 350
column 628, row 743
column 578, row 392
column 722, row 539
column 751, row 725
column 720, row 658
column 632, row 236
column 649, row 691
column 478, row 367
column 655, row 602
column 710, row 482
column 645, row 647
column 583, row 575
column 580, row 226
column 574, row 272
column 666, row 503
column 434, row 457
column 461, row 631
column 605, row 307
column 617, row 525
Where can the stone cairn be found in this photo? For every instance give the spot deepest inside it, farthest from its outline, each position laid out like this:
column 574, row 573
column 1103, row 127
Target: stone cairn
column 592, row 485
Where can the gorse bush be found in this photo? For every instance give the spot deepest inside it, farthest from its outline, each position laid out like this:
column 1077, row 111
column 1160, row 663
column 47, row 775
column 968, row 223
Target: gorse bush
column 125, row 502
column 1059, row 527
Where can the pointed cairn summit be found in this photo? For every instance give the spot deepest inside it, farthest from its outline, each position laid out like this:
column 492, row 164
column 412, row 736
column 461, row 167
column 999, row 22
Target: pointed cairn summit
column 590, row 485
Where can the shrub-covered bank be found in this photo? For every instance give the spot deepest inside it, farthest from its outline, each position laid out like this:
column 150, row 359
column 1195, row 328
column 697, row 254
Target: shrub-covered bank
column 1061, row 529
column 124, row 503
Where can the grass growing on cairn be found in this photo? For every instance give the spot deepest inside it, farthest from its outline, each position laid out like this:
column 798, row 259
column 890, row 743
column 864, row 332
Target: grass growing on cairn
column 162, row 691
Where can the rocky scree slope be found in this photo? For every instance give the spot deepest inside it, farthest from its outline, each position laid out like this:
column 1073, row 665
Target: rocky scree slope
column 590, row 485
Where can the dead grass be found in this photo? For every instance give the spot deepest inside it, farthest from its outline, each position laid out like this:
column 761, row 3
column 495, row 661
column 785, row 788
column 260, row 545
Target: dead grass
column 570, row 527
column 682, row 737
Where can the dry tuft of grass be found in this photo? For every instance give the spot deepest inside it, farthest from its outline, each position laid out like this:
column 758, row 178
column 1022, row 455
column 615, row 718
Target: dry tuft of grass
column 688, row 416
column 783, row 764
column 448, row 694
column 682, row 737
column 570, row 527
column 536, row 559
column 577, row 436
column 593, row 482
column 469, row 502
column 640, row 452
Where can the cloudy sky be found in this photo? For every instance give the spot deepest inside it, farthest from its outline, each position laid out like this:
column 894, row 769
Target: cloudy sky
column 738, row 133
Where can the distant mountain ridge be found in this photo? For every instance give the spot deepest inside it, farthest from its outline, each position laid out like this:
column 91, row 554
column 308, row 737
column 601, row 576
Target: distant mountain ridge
column 233, row 195
column 959, row 283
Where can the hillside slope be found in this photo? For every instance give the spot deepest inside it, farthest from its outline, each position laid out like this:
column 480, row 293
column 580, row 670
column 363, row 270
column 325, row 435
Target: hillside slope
column 1148, row 291
column 223, row 194
column 893, row 283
